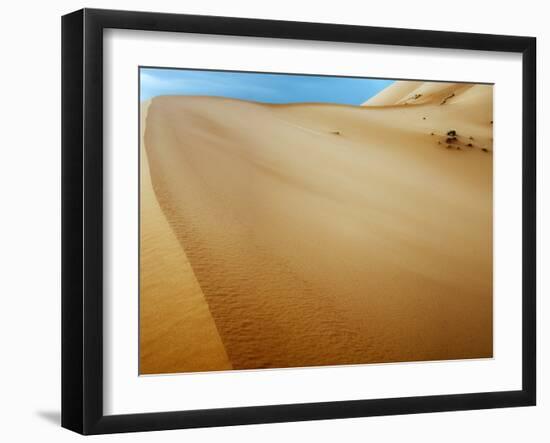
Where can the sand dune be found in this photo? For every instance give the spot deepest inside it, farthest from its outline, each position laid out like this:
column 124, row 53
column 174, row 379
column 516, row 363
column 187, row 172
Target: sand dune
column 324, row 234
column 410, row 92
column 394, row 94
column 177, row 332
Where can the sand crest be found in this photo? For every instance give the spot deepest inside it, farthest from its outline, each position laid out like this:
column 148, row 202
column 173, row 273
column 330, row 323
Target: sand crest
column 319, row 234
column 177, row 332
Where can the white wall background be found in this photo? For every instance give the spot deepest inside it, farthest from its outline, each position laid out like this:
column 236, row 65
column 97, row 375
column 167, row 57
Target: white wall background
column 30, row 219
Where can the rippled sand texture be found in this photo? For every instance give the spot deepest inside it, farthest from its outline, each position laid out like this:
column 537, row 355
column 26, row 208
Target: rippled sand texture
column 325, row 234
column 177, row 332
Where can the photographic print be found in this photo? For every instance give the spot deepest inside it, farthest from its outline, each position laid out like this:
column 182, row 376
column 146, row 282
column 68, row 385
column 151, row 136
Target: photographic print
column 304, row 220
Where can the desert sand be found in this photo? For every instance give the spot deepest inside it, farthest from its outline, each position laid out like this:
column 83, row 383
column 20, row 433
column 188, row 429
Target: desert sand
column 316, row 234
column 176, row 327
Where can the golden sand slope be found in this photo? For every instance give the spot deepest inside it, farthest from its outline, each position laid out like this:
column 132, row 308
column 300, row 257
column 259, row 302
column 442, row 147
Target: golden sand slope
column 413, row 92
column 394, row 94
column 326, row 234
column 177, row 332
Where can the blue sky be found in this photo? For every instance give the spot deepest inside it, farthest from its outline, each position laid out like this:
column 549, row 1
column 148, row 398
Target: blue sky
column 267, row 88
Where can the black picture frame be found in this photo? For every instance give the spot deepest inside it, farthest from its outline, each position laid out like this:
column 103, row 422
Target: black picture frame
column 82, row 218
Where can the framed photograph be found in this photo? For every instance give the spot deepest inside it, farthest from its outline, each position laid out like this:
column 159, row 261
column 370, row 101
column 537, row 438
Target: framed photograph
column 268, row 221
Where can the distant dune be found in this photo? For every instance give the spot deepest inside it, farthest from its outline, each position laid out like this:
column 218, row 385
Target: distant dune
column 315, row 234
